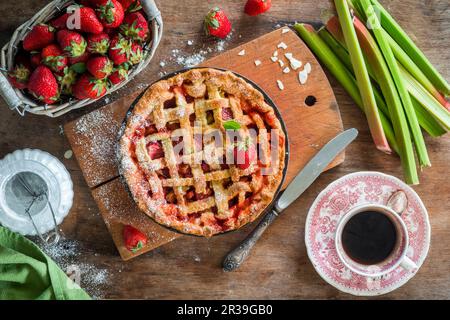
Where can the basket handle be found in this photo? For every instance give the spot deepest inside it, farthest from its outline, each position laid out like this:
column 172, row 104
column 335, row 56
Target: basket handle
column 8, row 94
column 150, row 9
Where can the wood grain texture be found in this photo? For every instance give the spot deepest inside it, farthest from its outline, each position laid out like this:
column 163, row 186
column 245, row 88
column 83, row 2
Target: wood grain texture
column 93, row 136
column 194, row 270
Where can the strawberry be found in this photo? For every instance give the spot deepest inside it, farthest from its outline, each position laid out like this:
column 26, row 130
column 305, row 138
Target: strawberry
column 119, row 50
column 227, row 114
column 89, row 21
column 60, row 22
column 110, row 13
column 53, row 57
column 155, row 150
column 135, row 26
column 43, row 85
column 134, row 239
column 244, row 154
column 100, row 67
column 119, row 74
column 19, row 75
column 136, row 53
column 98, row 43
column 130, row 5
column 83, row 58
column 88, row 87
column 35, row 59
column 39, row 37
column 217, row 23
column 71, row 42
column 255, row 7
column 66, row 79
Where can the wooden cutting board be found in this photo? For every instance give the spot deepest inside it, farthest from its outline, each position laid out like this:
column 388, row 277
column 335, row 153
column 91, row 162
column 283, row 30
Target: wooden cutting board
column 93, row 136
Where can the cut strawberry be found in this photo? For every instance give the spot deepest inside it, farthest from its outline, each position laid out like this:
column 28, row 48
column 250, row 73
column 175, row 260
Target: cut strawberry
column 155, row 150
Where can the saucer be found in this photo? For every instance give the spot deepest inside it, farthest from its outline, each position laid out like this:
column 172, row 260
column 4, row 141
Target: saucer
column 337, row 199
column 51, row 173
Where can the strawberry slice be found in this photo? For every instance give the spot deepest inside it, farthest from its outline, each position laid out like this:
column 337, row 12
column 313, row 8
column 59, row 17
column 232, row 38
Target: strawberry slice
column 155, row 150
column 227, row 114
column 134, row 239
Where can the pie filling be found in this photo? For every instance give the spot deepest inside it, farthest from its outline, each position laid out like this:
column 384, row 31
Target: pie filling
column 185, row 169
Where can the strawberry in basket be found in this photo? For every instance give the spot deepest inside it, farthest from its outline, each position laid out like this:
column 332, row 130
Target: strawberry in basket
column 71, row 42
column 54, row 58
column 43, row 86
column 110, row 13
column 39, row 37
column 135, row 26
column 66, row 59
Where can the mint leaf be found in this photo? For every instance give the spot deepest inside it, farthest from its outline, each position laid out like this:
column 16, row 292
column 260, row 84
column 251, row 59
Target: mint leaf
column 231, row 125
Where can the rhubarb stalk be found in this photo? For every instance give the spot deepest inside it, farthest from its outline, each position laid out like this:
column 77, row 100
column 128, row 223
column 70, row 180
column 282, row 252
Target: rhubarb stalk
column 362, row 77
column 405, row 42
column 341, row 73
column 334, row 38
column 396, row 75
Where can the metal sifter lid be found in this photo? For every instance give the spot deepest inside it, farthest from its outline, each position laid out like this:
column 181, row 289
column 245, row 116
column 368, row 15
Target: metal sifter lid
column 36, row 192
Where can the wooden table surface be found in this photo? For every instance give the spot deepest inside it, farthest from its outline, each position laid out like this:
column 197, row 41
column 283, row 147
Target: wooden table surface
column 190, row 267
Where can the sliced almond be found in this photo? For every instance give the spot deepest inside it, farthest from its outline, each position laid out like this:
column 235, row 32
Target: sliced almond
column 275, row 53
column 280, row 85
column 302, row 76
column 241, row 53
column 282, row 45
column 285, row 30
column 286, row 70
column 281, row 63
column 307, row 68
column 257, row 62
column 274, row 59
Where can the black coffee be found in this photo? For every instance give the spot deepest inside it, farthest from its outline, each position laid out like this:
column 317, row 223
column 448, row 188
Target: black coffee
column 369, row 237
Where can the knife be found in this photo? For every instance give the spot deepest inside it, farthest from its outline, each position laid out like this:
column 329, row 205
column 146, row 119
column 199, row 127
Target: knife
column 301, row 182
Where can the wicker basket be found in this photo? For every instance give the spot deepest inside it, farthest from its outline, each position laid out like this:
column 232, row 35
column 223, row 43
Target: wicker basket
column 20, row 102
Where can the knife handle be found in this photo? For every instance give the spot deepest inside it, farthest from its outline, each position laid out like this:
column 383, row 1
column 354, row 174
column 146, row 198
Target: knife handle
column 237, row 256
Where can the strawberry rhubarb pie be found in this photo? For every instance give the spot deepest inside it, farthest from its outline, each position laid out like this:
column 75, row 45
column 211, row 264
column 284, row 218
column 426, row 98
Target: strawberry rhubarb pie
column 202, row 152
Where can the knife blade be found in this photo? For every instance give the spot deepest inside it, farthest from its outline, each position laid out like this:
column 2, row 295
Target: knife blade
column 301, row 182
column 315, row 167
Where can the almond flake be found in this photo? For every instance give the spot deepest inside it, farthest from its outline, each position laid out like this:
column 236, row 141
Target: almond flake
column 288, row 55
column 286, row 70
column 257, row 62
column 280, row 85
column 307, row 68
column 281, row 63
column 241, row 53
column 282, row 45
column 285, row 30
column 275, row 53
column 295, row 64
column 274, row 59
column 302, row 76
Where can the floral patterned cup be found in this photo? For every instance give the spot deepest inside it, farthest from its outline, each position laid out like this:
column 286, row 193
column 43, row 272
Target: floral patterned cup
column 396, row 258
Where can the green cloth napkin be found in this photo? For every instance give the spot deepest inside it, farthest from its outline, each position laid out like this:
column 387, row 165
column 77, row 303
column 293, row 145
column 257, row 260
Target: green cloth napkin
column 27, row 273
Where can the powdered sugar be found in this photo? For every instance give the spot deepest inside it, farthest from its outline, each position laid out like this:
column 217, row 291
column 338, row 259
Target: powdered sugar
column 68, row 256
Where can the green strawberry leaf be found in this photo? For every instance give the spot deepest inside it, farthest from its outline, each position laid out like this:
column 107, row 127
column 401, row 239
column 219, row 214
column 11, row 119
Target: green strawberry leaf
column 231, row 125
column 79, row 67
